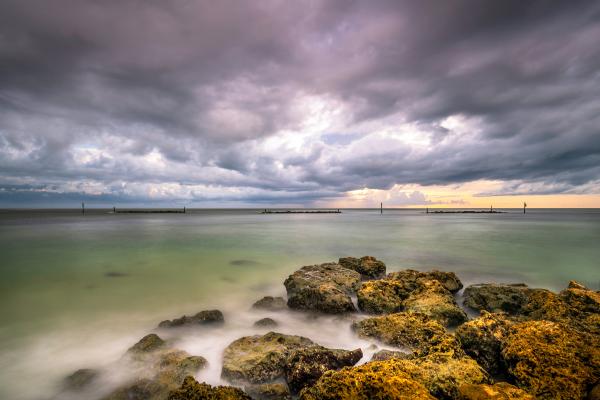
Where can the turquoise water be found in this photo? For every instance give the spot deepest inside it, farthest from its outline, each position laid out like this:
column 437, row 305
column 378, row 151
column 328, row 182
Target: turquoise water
column 76, row 290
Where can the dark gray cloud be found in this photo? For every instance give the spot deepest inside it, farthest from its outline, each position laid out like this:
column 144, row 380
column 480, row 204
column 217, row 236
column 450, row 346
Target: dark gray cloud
column 272, row 101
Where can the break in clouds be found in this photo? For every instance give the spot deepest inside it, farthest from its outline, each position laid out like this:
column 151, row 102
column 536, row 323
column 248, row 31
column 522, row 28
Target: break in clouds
column 279, row 102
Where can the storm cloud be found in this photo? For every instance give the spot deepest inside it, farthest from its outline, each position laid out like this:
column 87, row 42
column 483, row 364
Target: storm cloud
column 278, row 102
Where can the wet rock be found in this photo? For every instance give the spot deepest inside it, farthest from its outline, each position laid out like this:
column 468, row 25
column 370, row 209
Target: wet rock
column 382, row 296
column 207, row 317
column 551, row 360
column 148, row 343
column 497, row 391
column 326, row 288
column 368, row 267
column 417, row 332
column 305, row 366
column 260, row 359
column 509, row 298
column 192, row 390
column 270, row 303
column 174, row 365
column 265, row 323
column 582, row 299
column 433, row 299
column 141, row 389
column 412, row 278
column 383, row 355
column 482, row 339
column 80, row 379
column 374, row 380
column 595, row 392
column 269, row 391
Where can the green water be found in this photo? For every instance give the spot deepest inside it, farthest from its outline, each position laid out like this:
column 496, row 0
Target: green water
column 78, row 289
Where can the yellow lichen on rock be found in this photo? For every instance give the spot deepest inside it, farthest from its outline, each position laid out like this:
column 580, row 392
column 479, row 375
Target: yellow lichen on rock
column 498, row 391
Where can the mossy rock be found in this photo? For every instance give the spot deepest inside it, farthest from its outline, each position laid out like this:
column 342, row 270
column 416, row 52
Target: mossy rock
column 433, row 299
column 269, row 391
column 81, row 378
column 192, row 390
column 147, row 344
column 203, row 318
column 368, row 267
column 266, row 323
column 372, row 381
column 384, row 354
column 497, row 391
column 551, row 360
column 270, row 303
column 509, row 298
column 325, row 288
column 412, row 279
column 382, row 296
column 417, row 332
column 140, row 389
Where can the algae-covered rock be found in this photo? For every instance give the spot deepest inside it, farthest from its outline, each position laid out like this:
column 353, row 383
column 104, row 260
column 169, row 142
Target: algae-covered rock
column 140, row 389
column 260, row 359
column 384, row 354
column 368, row 267
column 207, row 317
column 325, row 288
column 482, row 339
column 270, row 303
column 305, row 366
column 509, row 298
column 551, row 360
column 265, row 323
column 412, row 278
column 417, row 332
column 434, row 300
column 497, row 391
column 148, row 343
column 269, row 391
column 80, row 379
column 192, row 390
column 374, row 380
column 174, row 365
column 382, row 296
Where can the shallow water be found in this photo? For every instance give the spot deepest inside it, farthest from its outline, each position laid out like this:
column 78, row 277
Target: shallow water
column 77, row 291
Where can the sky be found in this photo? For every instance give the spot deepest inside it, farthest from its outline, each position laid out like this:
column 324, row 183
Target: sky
column 332, row 103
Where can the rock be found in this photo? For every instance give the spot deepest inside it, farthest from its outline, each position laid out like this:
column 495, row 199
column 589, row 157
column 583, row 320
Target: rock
column 174, row 365
column 551, row 360
column 411, row 278
column 417, row 332
column 207, row 317
column 270, row 303
column 374, row 380
column 305, row 366
column 383, row 355
column 482, row 339
column 509, row 298
column 382, row 296
column 80, row 379
column 368, row 267
column 192, row 390
column 580, row 298
column 265, row 323
column 595, row 392
column 269, row 391
column 141, row 389
column 325, row 288
column 148, row 343
column 260, row 359
column 433, row 299
column 497, row 391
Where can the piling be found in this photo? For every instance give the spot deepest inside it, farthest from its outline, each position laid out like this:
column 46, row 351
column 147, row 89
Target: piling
column 82, row 208
column 381, row 208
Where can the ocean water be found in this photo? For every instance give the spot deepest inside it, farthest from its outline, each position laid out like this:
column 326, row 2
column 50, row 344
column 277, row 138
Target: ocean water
column 77, row 290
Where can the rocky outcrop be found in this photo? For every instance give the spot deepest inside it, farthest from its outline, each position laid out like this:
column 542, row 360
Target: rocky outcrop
column 269, row 391
column 368, row 267
column 265, row 323
column 497, row 391
column 270, row 303
column 192, row 390
column 305, row 366
column 482, row 338
column 325, row 288
column 508, row 298
column 147, row 344
column 411, row 278
column 207, row 317
column 417, row 332
column 551, row 360
column 434, row 300
column 382, row 296
column 383, row 355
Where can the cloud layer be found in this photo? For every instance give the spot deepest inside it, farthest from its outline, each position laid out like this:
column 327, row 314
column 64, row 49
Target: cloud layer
column 278, row 102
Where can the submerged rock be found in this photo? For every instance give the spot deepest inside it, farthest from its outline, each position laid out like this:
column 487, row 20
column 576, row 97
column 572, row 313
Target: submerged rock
column 265, row 323
column 260, row 359
column 325, row 288
column 497, row 391
column 270, row 303
column 141, row 389
column 412, row 278
column 148, row 343
column 192, row 390
column 207, row 317
column 551, row 360
column 492, row 297
column 417, row 332
column 305, row 366
column 433, row 299
column 382, row 296
column 269, row 391
column 80, row 379
column 368, row 267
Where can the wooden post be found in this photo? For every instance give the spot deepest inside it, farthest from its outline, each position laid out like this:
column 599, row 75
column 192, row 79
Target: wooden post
column 524, row 207
column 82, row 208
column 114, row 210
column 184, row 209
column 491, row 208
column 427, row 210
column 381, row 209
